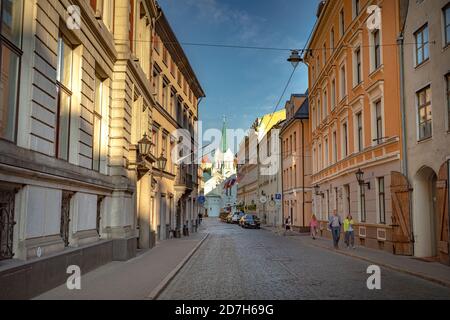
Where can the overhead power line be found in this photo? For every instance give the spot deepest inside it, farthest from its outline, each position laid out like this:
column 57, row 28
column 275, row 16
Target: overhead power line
column 248, row 47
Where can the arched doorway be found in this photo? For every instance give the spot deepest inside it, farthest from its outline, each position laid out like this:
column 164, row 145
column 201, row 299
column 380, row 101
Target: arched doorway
column 424, row 213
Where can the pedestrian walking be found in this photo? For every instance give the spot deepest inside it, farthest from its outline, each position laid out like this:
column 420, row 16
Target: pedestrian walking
column 200, row 218
column 349, row 232
column 314, row 225
column 335, row 224
column 288, row 223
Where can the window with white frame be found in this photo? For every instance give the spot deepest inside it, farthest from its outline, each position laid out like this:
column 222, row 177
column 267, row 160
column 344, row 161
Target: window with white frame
column 11, row 16
column 99, row 100
column 64, row 81
column 362, row 204
column 341, row 22
column 357, row 67
column 424, row 113
column 375, row 52
column 344, row 140
column 381, row 201
column 356, row 8
column 359, row 132
column 320, row 156
column 378, row 122
column 333, row 94
column 332, row 40
column 422, row 45
column 334, row 146
column 343, row 82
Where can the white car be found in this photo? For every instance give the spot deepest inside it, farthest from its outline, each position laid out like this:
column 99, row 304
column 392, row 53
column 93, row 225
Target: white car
column 236, row 217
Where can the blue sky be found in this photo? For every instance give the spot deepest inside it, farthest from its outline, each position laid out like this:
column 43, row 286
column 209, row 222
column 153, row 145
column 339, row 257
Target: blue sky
column 242, row 84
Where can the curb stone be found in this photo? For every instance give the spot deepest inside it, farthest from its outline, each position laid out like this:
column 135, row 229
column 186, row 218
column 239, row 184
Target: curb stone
column 166, row 281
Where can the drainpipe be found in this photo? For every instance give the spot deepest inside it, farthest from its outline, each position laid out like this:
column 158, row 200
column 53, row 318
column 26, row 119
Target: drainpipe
column 282, row 183
column 404, row 166
column 303, row 171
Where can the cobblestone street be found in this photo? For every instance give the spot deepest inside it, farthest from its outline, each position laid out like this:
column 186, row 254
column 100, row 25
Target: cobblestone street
column 235, row 263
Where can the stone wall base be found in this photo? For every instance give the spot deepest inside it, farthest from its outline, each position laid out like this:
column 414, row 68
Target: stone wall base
column 28, row 279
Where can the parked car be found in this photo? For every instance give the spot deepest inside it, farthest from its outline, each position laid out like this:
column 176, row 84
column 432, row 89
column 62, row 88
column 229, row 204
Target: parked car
column 236, row 217
column 250, row 221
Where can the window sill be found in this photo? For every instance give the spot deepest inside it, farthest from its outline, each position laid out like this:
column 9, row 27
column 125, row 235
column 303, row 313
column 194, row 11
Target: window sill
column 424, row 140
column 424, row 63
column 358, row 85
column 375, row 71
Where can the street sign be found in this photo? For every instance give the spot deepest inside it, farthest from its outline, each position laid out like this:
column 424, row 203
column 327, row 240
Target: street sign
column 263, row 199
column 278, row 196
column 201, row 199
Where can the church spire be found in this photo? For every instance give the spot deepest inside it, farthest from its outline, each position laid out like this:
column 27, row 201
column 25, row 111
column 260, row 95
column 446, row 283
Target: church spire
column 223, row 142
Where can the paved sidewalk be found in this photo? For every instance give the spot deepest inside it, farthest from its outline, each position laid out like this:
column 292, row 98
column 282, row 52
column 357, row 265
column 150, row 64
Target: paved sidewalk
column 431, row 271
column 139, row 278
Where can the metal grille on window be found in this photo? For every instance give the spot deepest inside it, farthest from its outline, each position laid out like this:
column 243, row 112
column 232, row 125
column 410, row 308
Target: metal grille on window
column 65, row 216
column 6, row 224
column 99, row 213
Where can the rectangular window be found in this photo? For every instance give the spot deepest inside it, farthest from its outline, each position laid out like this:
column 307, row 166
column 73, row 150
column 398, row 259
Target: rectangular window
column 325, row 104
column 341, row 23
column 377, row 49
column 326, row 152
column 10, row 54
column 378, row 122
column 358, row 66
column 422, row 45
column 447, row 78
column 64, row 90
column 343, row 83
column 381, row 201
column 424, row 113
column 356, row 8
column 333, row 94
column 362, row 204
column 359, row 133
column 324, row 58
column 344, row 140
column 320, row 157
column 446, row 12
column 332, row 41
column 97, row 137
column 334, row 146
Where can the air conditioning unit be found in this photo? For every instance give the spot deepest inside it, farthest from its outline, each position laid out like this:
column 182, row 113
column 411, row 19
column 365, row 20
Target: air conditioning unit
column 381, row 234
column 362, row 232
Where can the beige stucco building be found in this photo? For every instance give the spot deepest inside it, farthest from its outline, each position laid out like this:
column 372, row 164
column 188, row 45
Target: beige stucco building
column 74, row 185
column 427, row 116
column 296, row 154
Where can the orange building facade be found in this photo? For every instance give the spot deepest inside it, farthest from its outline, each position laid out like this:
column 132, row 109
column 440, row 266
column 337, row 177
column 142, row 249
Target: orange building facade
column 355, row 116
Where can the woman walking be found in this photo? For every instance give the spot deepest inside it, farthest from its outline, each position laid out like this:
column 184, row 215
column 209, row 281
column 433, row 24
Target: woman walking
column 314, row 226
column 349, row 232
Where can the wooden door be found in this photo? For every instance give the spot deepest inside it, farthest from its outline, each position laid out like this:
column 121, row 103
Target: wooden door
column 401, row 222
column 442, row 214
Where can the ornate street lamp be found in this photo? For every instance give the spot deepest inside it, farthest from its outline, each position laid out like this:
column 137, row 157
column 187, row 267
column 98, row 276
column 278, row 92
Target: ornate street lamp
column 360, row 178
column 144, row 145
column 161, row 162
column 295, row 58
